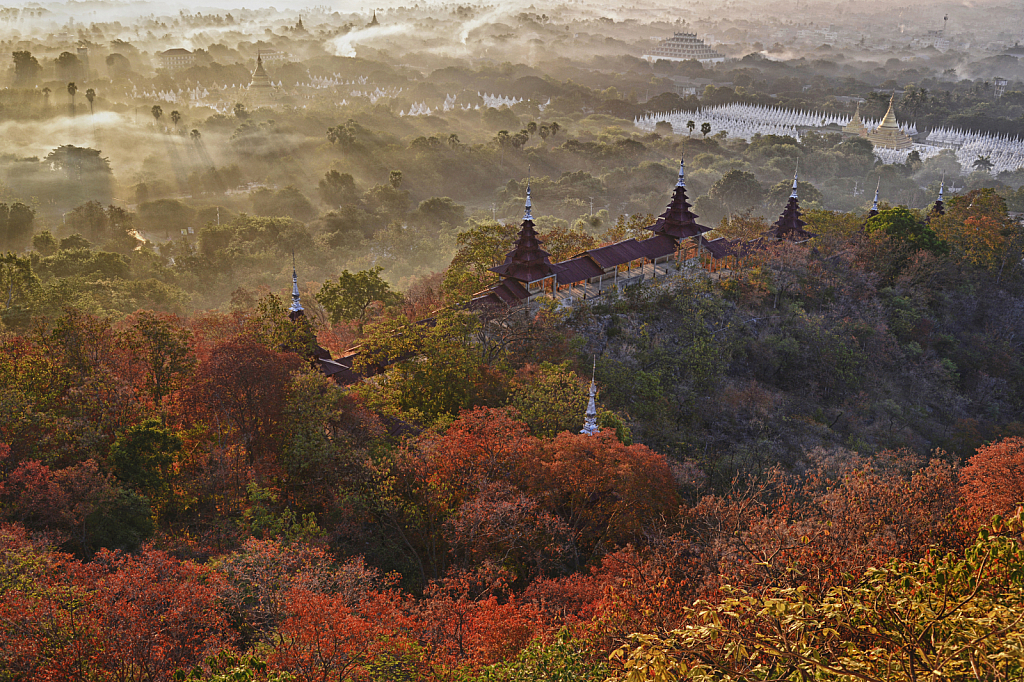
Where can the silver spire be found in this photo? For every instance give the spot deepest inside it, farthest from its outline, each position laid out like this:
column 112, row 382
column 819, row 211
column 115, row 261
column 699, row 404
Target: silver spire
column 528, row 215
column 296, row 306
column 874, row 204
column 590, row 426
column 795, row 173
column 941, row 186
column 682, row 179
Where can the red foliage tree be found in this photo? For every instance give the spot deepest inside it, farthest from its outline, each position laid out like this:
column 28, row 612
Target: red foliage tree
column 608, row 493
column 242, row 386
column 327, row 637
column 156, row 615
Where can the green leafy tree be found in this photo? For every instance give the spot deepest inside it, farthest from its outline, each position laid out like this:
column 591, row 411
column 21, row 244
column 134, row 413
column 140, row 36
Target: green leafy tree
column 88, row 176
column 436, row 212
column 350, row 297
column 163, row 349
column 337, row 189
column 550, row 399
column 89, row 220
column 905, row 228
column 737, row 190
column 231, row 667
column 26, row 69
column 69, row 66
column 17, row 222
column 705, row 128
column 45, row 244
column 434, row 392
column 142, row 458
column 479, row 248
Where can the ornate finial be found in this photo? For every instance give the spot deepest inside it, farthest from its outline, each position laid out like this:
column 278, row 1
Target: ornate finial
column 528, row 215
column 296, row 306
column 874, row 204
column 590, row 426
column 259, row 58
column 795, row 174
column 682, row 179
column 942, row 185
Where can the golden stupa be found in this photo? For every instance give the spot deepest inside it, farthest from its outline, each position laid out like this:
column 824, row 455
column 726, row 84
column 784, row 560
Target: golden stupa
column 856, row 126
column 261, row 88
column 888, row 134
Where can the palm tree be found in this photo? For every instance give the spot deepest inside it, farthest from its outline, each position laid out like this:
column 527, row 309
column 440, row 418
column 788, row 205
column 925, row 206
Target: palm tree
column 544, row 132
column 90, row 95
column 175, row 117
column 195, row 135
column 983, row 163
column 554, row 127
column 531, row 128
column 453, row 140
column 157, row 111
column 46, row 97
column 72, row 89
column 691, row 125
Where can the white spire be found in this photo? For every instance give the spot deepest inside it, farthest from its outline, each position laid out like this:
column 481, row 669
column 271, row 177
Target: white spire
column 682, row 178
column 874, row 204
column 528, row 215
column 795, row 173
column 941, row 186
column 590, row 426
column 296, row 306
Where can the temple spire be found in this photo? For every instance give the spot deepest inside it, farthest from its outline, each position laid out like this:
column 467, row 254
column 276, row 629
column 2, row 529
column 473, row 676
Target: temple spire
column 296, row 307
column 528, row 213
column 682, row 177
column 795, row 174
column 590, row 426
column 874, row 204
column 938, row 208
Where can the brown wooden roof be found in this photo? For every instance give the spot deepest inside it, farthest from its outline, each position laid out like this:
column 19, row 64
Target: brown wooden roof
column 658, row 246
column 578, row 269
column 678, row 220
column 789, row 226
column 619, row 253
column 527, row 261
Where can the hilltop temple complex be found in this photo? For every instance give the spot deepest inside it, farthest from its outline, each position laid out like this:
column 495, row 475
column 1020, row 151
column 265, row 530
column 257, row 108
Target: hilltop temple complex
column 677, row 247
column 677, row 240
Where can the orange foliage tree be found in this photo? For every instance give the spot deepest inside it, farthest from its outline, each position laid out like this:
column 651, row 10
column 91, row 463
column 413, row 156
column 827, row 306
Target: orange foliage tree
column 993, row 481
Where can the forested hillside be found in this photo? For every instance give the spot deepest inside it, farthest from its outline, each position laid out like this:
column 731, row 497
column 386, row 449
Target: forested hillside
column 830, row 422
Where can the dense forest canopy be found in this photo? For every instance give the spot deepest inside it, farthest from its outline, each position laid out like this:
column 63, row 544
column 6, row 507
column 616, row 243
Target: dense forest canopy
column 808, row 458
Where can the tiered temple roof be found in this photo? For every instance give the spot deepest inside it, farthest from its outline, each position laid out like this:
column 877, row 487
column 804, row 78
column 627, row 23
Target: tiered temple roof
column 789, row 226
column 938, row 208
column 888, row 134
column 678, row 221
column 527, row 261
